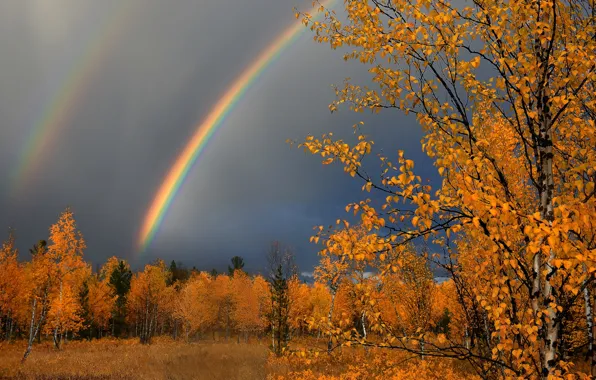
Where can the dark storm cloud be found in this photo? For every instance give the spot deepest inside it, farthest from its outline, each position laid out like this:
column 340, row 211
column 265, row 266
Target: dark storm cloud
column 161, row 76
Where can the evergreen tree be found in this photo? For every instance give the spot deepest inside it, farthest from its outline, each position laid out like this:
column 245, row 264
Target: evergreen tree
column 85, row 331
column 237, row 264
column 40, row 247
column 280, row 309
column 178, row 273
column 120, row 281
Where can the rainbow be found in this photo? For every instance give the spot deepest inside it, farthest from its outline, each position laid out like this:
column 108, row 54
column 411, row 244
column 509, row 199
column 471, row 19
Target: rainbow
column 205, row 130
column 65, row 100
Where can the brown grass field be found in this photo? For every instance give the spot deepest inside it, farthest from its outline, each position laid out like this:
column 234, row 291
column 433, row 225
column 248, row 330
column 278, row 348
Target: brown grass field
column 127, row 359
column 214, row 360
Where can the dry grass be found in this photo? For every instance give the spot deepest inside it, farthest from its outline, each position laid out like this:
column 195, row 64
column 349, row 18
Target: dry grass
column 126, row 359
column 167, row 359
column 351, row 363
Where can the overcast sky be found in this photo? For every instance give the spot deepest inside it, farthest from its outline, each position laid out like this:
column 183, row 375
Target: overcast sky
column 163, row 67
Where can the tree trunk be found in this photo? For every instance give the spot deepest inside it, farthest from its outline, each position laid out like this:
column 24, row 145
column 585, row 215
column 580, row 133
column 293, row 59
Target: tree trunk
column 550, row 316
column 55, row 336
column 362, row 320
column 31, row 335
column 273, row 337
column 10, row 330
column 329, row 318
column 590, row 328
column 227, row 326
column 33, row 329
column 9, row 326
column 91, row 328
column 593, row 357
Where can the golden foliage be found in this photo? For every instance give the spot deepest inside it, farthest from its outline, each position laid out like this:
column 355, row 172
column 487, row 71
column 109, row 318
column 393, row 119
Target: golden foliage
column 515, row 148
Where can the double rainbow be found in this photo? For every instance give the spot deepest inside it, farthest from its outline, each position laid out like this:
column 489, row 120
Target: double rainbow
column 64, row 101
column 205, row 130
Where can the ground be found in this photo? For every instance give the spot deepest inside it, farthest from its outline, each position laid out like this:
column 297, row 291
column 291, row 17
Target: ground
column 214, row 360
column 127, row 359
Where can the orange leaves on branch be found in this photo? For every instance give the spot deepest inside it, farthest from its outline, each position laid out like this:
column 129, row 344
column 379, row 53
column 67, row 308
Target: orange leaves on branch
column 514, row 147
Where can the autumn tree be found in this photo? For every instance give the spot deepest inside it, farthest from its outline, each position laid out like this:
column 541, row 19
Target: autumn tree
column 263, row 293
column 245, row 313
column 449, row 314
column 100, row 302
column 39, row 274
column 299, row 295
column 529, row 204
column 319, row 303
column 12, row 286
column 65, row 254
column 148, row 292
column 196, row 308
column 337, row 263
column 414, row 293
column 222, row 291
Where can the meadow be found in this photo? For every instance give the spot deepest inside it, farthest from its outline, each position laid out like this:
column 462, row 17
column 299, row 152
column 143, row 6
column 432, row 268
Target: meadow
column 128, row 359
column 166, row 358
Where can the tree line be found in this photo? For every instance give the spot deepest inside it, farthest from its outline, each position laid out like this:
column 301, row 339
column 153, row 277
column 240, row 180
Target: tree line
column 56, row 296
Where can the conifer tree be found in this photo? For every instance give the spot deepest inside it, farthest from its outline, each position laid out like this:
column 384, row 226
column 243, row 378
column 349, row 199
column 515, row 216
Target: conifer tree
column 237, row 264
column 120, row 281
column 280, row 309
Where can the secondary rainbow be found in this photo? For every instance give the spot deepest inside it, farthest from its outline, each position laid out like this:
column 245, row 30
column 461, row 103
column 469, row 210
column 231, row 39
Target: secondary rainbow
column 205, row 130
column 59, row 110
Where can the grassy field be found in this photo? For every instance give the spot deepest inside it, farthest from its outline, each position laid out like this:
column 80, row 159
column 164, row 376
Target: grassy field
column 126, row 359
column 211, row 360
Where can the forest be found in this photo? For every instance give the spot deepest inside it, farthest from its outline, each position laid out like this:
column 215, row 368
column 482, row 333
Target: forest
column 504, row 92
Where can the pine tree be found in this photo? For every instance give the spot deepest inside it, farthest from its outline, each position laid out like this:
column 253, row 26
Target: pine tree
column 86, row 330
column 179, row 273
column 120, row 281
column 280, row 309
column 237, row 264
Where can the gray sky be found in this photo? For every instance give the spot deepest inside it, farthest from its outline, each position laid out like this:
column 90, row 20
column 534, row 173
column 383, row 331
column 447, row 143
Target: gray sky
column 160, row 74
